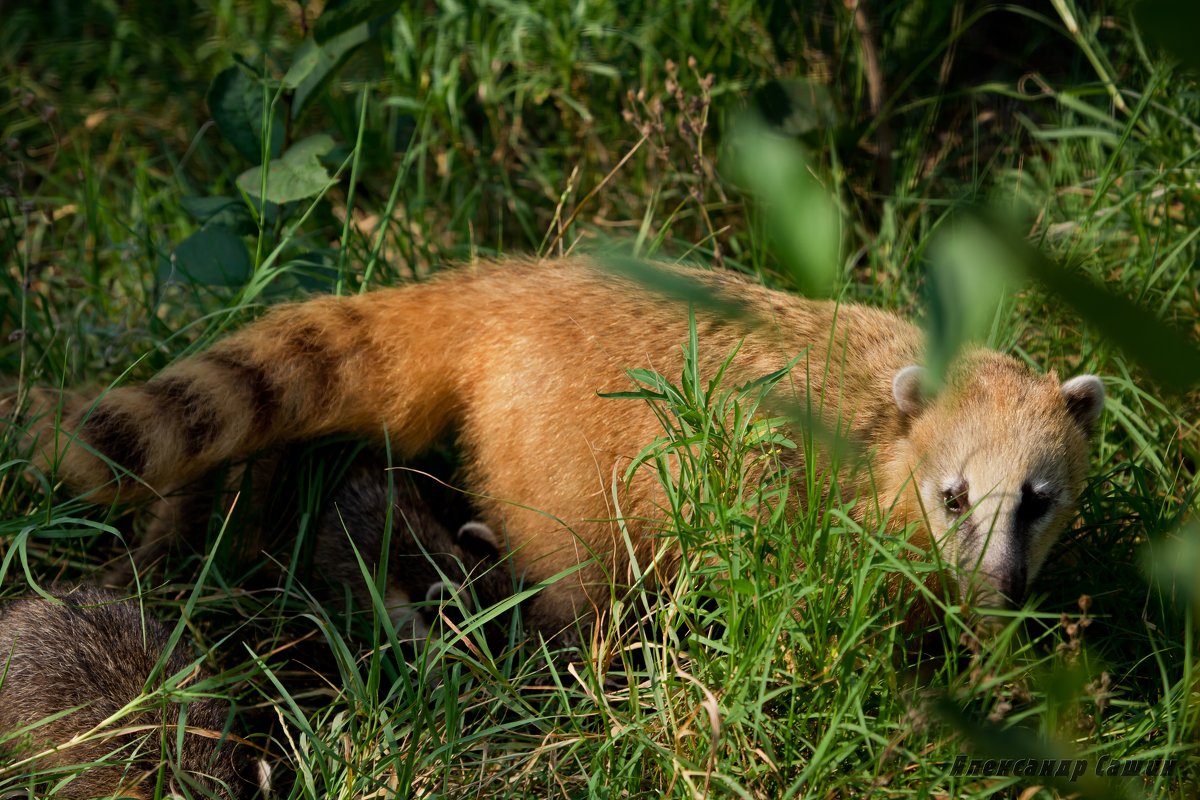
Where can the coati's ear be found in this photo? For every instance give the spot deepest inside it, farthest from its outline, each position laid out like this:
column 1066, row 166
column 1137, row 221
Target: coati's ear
column 475, row 537
column 1084, row 395
column 908, row 389
column 444, row 593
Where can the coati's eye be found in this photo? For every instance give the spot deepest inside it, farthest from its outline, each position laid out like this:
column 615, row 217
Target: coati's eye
column 1035, row 502
column 955, row 499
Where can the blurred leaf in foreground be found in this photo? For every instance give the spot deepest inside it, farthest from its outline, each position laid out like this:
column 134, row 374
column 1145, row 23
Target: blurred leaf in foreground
column 681, row 286
column 802, row 218
column 1174, row 563
column 1168, row 355
column 797, row 106
column 993, row 742
column 967, row 281
column 1172, row 24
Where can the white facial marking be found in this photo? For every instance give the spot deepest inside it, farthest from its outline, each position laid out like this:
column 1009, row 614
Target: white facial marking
column 1043, row 488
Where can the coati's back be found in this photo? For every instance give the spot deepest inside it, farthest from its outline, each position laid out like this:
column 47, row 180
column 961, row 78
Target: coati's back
column 514, row 356
column 70, row 668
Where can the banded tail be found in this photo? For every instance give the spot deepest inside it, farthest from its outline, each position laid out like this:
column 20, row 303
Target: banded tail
column 330, row 365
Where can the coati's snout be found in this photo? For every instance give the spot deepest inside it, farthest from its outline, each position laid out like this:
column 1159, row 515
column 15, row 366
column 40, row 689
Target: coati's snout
column 991, row 545
column 998, row 458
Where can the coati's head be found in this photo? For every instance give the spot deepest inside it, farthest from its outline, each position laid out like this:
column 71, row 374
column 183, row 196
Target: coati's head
column 431, row 572
column 424, row 587
column 998, row 459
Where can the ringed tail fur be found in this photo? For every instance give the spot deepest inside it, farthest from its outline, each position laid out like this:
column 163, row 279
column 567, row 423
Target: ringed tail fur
column 303, row 370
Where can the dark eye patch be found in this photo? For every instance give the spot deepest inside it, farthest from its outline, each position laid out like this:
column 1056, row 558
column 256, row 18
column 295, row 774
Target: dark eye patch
column 1033, row 506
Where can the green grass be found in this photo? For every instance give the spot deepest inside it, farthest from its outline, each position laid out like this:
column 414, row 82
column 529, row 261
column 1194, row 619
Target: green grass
column 510, row 128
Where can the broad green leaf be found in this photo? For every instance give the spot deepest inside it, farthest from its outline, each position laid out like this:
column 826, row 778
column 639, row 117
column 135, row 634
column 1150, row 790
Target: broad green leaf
column 802, row 219
column 316, row 63
column 342, row 15
column 294, row 176
column 213, row 256
column 235, row 101
column 229, row 212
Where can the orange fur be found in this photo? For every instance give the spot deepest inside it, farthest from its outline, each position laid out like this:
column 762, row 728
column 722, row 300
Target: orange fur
column 515, row 357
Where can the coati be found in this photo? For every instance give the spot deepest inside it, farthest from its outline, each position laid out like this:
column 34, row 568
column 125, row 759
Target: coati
column 429, row 572
column 71, row 675
column 988, row 469
column 93, row 650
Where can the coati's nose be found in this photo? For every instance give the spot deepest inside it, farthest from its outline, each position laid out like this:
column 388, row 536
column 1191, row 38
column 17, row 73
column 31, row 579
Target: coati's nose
column 1013, row 587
